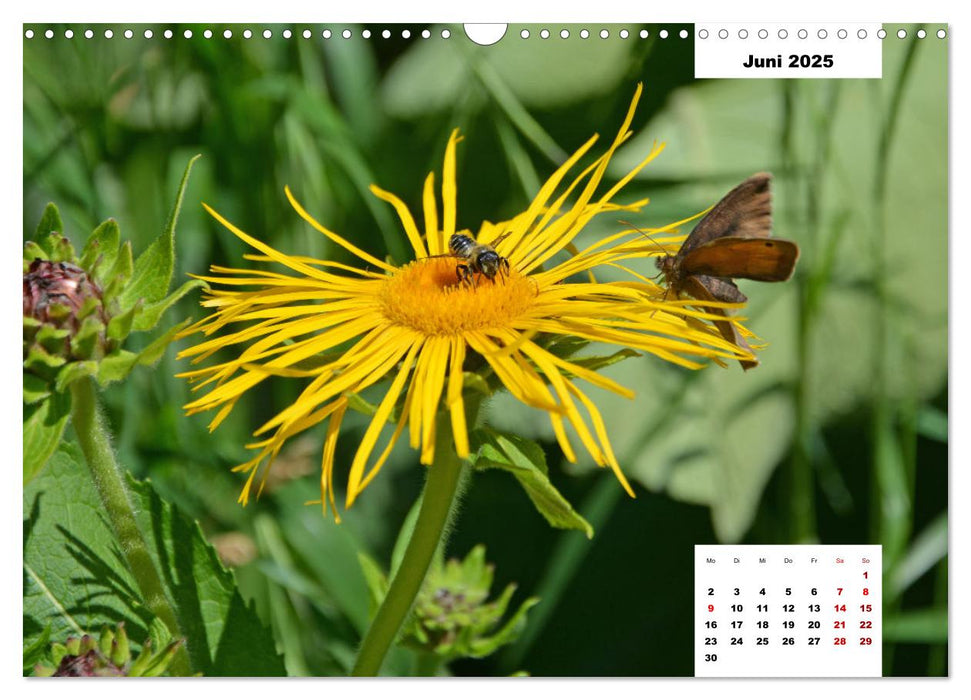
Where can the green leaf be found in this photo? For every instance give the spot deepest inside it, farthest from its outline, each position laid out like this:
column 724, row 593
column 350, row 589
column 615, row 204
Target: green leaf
column 117, row 277
column 525, row 460
column 75, row 579
column 121, row 325
column 153, row 269
column 101, row 249
column 510, row 631
column 44, row 424
column 928, row 548
column 37, row 650
column 74, row 371
column 377, row 582
column 918, row 627
column 148, row 317
column 50, row 222
column 35, row 389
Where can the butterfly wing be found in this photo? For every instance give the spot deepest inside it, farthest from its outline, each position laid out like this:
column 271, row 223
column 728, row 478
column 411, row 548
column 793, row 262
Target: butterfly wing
column 762, row 259
column 700, row 289
column 745, row 212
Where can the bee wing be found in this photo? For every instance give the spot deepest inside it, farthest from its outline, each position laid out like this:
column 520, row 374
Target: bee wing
column 762, row 259
column 745, row 212
column 499, row 239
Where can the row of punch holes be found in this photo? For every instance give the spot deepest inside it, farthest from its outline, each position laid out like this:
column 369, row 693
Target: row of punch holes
column 445, row 33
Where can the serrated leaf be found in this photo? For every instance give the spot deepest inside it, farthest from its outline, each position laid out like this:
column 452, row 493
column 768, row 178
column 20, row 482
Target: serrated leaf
column 153, row 269
column 102, row 248
column 148, row 317
column 525, row 460
column 44, row 425
column 50, row 222
column 75, row 579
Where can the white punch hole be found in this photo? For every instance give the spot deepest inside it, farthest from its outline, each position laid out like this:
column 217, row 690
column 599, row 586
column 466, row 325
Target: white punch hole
column 485, row 34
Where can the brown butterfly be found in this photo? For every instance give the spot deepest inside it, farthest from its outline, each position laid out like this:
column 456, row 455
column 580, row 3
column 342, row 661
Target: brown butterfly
column 732, row 240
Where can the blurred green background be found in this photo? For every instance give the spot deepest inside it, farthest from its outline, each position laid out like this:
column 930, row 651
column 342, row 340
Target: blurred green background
column 840, row 435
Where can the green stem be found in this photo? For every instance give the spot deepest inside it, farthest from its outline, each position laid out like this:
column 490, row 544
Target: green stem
column 436, row 505
column 110, row 483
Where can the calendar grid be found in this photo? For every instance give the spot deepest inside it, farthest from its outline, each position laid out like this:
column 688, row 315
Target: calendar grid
column 788, row 611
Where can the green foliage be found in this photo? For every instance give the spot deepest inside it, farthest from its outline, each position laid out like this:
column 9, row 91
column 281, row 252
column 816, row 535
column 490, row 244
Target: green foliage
column 75, row 579
column 119, row 295
column 525, row 460
column 451, row 618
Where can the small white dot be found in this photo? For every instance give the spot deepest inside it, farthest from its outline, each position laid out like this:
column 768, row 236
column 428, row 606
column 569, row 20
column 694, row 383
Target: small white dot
column 742, row 34
column 822, row 34
column 68, row 34
column 901, row 33
column 663, row 33
column 167, row 33
column 604, row 33
column 645, row 34
column 207, row 34
column 544, row 34
column 326, row 34
column 346, row 33
column 405, row 34
column 941, row 33
column 624, row 33
column 187, row 33
column 247, row 34
column 524, row 34
column 29, row 34
column 841, row 33
column 684, row 34
column 287, row 34
column 564, row 33
column 783, row 33
column 129, row 33
column 148, row 34
column 802, row 33
column 882, row 34
column 49, row 33
column 763, row 34
column 267, row 33
column 108, row 34
column 227, row 34
column 584, row 34
column 366, row 33
column 386, row 34
column 722, row 33
column 703, row 34
column 921, row 33
column 426, row 34
column 307, row 34
column 861, row 34
column 446, row 34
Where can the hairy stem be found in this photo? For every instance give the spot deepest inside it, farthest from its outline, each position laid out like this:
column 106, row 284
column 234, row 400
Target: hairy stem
column 109, row 480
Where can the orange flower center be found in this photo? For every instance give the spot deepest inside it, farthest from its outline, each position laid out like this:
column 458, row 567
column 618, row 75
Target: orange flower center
column 426, row 295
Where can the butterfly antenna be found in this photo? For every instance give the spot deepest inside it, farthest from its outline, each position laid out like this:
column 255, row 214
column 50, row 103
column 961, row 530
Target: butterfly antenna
column 646, row 235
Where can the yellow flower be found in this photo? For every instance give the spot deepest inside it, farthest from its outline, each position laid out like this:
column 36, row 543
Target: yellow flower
column 417, row 324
